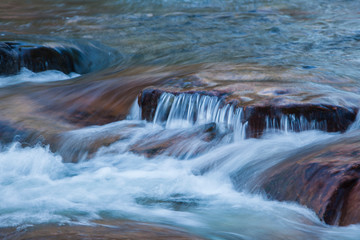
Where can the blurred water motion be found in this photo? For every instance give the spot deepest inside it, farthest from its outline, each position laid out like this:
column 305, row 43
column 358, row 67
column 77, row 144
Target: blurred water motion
column 186, row 168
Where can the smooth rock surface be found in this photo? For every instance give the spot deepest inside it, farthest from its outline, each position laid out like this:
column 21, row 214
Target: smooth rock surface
column 326, row 180
column 105, row 230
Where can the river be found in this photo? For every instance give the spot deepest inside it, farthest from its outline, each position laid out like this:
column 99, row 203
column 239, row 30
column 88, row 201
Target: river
column 308, row 41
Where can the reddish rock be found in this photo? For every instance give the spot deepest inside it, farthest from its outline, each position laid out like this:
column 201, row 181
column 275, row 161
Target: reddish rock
column 326, row 180
column 42, row 112
column 47, row 110
column 325, row 117
column 105, row 230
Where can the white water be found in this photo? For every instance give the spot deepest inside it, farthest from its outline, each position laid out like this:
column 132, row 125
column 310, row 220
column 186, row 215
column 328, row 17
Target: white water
column 187, row 185
column 185, row 110
column 36, row 186
column 26, row 75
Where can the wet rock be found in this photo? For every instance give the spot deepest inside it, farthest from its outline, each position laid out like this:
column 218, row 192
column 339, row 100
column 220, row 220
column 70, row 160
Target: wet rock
column 46, row 110
column 261, row 114
column 9, row 60
column 37, row 58
column 176, row 142
column 114, row 230
column 43, row 112
column 326, row 180
column 270, row 97
column 298, row 117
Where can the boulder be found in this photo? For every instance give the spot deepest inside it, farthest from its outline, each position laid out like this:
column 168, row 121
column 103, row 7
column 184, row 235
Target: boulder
column 9, row 60
column 269, row 97
column 261, row 115
column 37, row 58
column 326, row 180
column 67, row 58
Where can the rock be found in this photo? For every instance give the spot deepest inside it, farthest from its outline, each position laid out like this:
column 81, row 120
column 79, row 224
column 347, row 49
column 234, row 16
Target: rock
column 114, row 230
column 38, row 58
column 43, row 112
column 326, row 180
column 176, row 142
column 9, row 60
column 260, row 115
column 270, row 97
column 46, row 110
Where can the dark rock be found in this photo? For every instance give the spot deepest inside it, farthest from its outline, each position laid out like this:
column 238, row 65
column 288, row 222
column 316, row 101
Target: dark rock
column 37, row 58
column 9, row 60
column 326, row 180
column 325, row 117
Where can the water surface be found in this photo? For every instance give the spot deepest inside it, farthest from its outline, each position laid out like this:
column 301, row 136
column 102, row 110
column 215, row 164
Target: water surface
column 319, row 40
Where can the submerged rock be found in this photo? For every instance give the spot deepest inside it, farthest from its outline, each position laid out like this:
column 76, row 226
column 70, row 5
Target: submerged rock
column 175, row 142
column 43, row 112
column 114, row 230
column 247, row 99
column 326, row 180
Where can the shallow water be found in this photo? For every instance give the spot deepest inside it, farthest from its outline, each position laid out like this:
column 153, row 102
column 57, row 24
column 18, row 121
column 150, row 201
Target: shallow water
column 189, row 184
column 37, row 187
column 25, row 75
column 319, row 36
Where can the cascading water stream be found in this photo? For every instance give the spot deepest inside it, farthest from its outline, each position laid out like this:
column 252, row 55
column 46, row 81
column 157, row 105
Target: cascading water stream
column 185, row 110
column 116, row 183
column 198, row 160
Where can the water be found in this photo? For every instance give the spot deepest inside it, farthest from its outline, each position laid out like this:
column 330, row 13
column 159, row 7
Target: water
column 26, row 75
column 176, row 170
column 38, row 187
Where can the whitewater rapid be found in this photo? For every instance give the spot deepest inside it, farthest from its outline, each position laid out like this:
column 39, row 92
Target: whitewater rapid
column 38, row 187
column 180, row 187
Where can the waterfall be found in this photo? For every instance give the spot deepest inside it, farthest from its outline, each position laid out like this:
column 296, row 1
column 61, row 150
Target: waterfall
column 189, row 109
column 184, row 110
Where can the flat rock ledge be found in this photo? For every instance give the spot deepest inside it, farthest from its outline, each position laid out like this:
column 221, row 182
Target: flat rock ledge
column 105, row 230
column 262, row 115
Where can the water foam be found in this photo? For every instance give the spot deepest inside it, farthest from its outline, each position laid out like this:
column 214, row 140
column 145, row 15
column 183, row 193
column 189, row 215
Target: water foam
column 37, row 187
column 26, row 75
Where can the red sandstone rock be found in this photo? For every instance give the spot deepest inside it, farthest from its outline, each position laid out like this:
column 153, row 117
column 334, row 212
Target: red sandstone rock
column 330, row 118
column 326, row 180
column 106, row 230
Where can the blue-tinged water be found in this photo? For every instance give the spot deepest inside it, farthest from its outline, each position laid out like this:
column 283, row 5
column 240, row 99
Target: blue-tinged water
column 319, row 40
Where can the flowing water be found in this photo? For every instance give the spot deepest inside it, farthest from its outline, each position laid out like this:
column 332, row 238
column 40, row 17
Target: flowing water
column 188, row 183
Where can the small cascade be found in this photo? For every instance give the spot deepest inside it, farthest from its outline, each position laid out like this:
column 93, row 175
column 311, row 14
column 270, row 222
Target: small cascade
column 291, row 123
column 183, row 110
